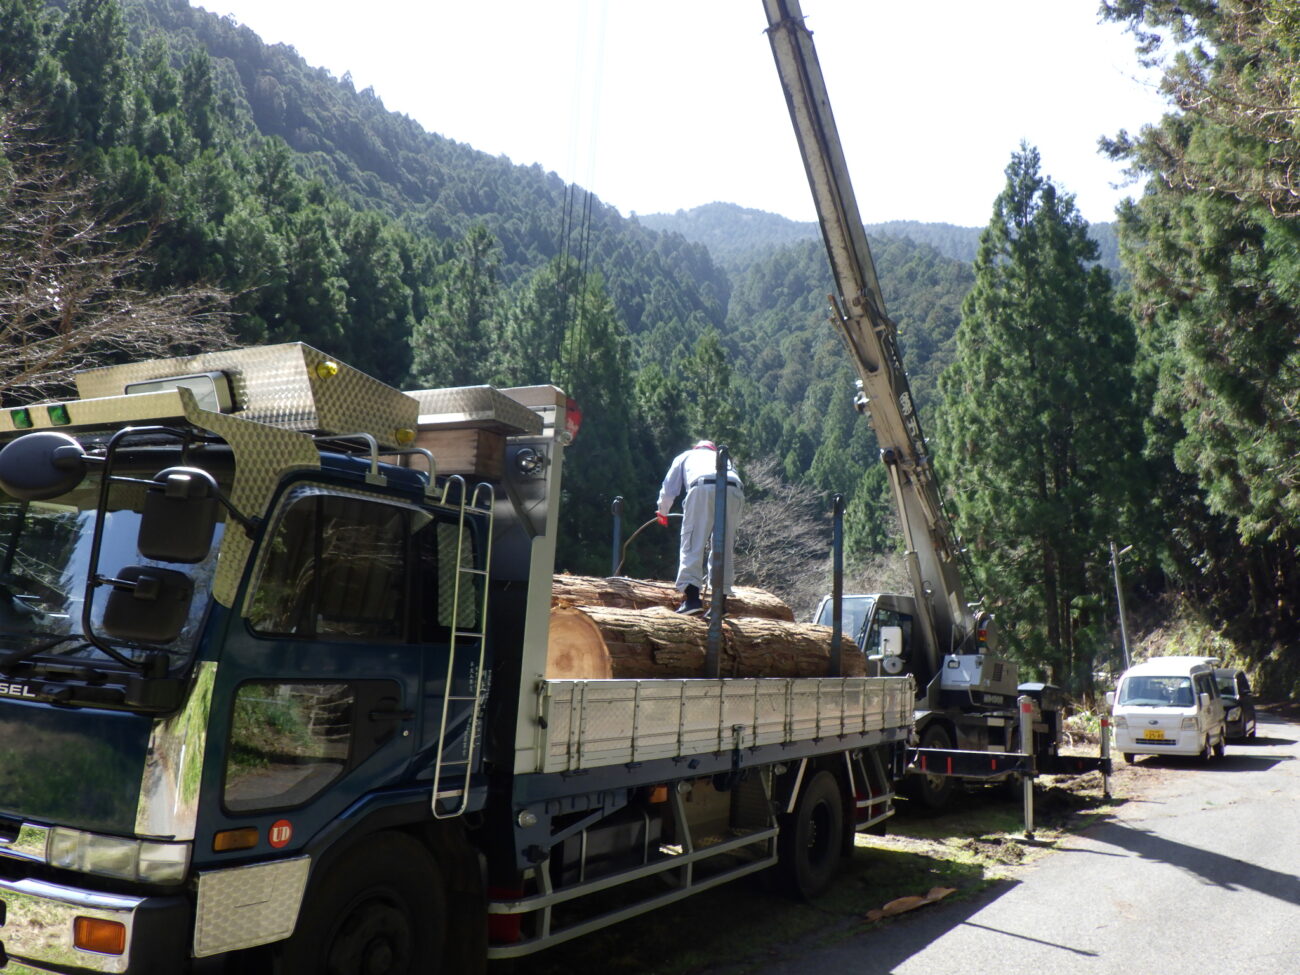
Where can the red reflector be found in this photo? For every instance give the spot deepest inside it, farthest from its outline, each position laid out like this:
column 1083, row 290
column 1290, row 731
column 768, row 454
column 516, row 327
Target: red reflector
column 572, row 418
column 950, row 765
column 505, row 929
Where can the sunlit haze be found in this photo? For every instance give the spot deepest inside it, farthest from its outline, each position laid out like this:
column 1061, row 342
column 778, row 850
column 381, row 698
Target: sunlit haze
column 667, row 105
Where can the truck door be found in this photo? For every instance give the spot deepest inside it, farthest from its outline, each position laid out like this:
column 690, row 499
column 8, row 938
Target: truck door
column 317, row 697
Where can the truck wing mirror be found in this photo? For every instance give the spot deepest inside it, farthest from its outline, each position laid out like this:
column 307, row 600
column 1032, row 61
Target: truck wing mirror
column 179, row 515
column 147, row 604
column 891, row 641
column 39, row 466
column 1110, row 699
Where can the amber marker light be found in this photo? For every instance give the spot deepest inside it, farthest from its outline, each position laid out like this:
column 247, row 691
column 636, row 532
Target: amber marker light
column 327, row 369
column 234, row 839
column 97, row 934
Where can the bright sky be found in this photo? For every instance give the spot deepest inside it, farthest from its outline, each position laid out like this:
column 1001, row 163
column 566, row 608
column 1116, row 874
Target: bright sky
column 660, row 105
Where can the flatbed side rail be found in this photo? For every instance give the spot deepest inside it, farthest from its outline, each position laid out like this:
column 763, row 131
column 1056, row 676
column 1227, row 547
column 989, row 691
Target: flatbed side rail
column 587, row 724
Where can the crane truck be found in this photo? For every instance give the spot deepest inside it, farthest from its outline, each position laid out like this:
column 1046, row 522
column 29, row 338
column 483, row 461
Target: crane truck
column 967, row 694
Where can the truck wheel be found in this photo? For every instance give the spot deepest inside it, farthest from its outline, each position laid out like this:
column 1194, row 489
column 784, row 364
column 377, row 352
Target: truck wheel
column 1130, row 757
column 932, row 791
column 380, row 910
column 811, row 840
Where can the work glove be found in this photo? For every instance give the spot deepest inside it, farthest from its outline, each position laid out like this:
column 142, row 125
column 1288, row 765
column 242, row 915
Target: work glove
column 661, row 518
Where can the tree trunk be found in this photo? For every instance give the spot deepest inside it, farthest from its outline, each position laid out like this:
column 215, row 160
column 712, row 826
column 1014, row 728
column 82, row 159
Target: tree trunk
column 593, row 642
column 622, row 593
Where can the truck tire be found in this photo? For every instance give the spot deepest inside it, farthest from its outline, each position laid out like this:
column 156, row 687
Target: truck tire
column 378, row 910
column 932, row 791
column 811, row 840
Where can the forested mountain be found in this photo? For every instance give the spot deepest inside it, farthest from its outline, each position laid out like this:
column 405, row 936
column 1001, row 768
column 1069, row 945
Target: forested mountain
column 734, row 235
column 233, row 167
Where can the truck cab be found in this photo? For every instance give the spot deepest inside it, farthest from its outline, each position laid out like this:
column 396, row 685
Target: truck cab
column 241, row 606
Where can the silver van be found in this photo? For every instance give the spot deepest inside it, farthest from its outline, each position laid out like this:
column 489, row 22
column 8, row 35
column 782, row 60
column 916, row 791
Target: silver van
column 1169, row 706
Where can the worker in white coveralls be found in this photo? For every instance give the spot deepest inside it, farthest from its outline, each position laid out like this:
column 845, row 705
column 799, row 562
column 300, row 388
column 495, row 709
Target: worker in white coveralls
column 695, row 472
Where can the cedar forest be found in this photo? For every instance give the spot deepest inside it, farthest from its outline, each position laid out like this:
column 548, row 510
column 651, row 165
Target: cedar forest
column 1136, row 381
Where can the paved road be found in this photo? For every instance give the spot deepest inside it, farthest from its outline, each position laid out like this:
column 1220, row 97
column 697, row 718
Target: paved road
column 1200, row 875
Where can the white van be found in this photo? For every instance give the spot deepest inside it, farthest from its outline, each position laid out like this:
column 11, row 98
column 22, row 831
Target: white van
column 1169, row 706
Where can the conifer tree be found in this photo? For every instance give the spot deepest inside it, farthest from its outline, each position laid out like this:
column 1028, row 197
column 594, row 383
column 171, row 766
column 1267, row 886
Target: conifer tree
column 1038, row 418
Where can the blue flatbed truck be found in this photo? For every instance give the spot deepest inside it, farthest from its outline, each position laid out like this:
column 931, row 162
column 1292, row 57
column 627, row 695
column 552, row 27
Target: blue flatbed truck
column 274, row 693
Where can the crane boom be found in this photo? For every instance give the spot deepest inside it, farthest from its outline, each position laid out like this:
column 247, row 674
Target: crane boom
column 859, row 314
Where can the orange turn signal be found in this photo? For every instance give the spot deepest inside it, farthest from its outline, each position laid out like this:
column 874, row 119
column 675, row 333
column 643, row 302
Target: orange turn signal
column 234, row 839
column 97, row 934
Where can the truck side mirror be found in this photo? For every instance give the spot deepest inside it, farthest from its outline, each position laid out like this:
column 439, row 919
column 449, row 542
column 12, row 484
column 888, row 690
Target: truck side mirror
column 147, row 604
column 179, row 515
column 1110, row 699
column 891, row 641
column 39, row 466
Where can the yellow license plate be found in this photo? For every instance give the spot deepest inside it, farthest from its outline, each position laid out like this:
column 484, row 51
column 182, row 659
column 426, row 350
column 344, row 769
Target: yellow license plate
column 1153, row 734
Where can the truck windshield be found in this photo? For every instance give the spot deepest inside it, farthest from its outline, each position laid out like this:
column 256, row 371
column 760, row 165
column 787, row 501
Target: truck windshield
column 1157, row 692
column 44, row 558
column 856, row 609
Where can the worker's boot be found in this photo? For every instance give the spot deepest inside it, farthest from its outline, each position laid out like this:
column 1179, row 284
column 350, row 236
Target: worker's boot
column 691, row 605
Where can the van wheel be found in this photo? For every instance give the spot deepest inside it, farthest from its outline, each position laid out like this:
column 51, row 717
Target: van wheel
column 1130, row 757
column 379, row 910
column 812, row 838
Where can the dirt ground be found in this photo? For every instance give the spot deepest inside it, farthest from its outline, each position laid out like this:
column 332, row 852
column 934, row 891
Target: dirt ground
column 743, row 925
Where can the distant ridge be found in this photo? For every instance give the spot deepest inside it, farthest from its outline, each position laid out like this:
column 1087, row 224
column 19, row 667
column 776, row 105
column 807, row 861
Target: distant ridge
column 735, row 235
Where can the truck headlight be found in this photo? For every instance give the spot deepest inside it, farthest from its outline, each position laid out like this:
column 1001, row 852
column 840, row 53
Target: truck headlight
column 1234, row 714
column 1190, row 724
column 1121, row 721
column 139, row 861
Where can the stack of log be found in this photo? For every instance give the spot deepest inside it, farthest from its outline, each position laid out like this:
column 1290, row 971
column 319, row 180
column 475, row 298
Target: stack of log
column 627, row 628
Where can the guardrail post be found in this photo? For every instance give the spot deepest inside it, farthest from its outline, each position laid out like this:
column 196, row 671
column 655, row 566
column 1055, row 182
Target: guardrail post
column 1026, row 705
column 1105, row 754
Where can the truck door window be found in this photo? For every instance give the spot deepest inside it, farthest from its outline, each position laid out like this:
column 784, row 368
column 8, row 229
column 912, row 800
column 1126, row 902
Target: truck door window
column 287, row 743
column 335, row 569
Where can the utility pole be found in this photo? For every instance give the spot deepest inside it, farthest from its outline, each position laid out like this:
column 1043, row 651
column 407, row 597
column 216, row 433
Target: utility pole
column 1119, row 599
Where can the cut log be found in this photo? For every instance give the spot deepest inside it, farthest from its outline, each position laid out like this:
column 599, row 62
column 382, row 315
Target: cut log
column 597, row 642
column 623, row 593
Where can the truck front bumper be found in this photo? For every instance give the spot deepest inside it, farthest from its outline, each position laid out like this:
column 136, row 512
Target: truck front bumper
column 38, row 919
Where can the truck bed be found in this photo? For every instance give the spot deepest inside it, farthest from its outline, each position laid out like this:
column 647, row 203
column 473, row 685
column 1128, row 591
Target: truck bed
column 588, row 724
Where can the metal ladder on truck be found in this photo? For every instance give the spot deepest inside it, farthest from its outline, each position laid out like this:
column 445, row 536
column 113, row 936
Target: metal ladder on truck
column 451, row 774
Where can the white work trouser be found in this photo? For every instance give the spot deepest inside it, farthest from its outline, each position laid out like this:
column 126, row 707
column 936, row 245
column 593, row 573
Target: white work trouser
column 697, row 535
